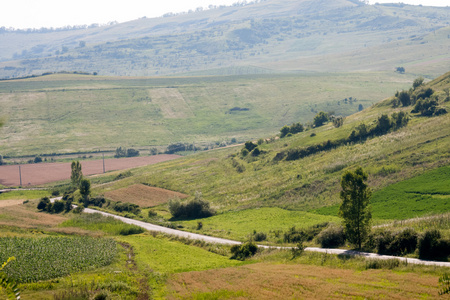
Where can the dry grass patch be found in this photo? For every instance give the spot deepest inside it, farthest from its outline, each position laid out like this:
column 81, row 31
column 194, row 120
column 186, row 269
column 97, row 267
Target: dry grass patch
column 25, row 216
column 143, row 195
column 281, row 281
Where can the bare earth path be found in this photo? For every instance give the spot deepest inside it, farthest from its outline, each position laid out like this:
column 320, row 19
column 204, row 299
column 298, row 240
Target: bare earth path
column 209, row 239
column 35, row 174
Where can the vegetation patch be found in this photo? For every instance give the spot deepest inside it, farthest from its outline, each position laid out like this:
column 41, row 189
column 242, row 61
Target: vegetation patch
column 51, row 257
column 240, row 224
column 299, row 281
column 162, row 255
column 424, row 194
column 143, row 195
column 97, row 221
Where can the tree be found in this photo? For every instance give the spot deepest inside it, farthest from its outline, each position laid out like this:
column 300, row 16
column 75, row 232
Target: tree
column 404, row 98
column 76, row 174
column 418, row 82
column 400, row 70
column 320, row 119
column 85, row 189
column 355, row 209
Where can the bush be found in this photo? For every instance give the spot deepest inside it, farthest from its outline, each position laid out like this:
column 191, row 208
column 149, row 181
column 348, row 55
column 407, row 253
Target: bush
column 43, row 203
column 241, row 252
column 58, row 206
column 331, row 237
column 196, row 208
column 432, row 246
column 259, row 236
column 397, row 243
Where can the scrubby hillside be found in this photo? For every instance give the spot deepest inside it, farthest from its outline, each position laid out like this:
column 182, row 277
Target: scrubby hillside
column 270, row 177
column 263, row 37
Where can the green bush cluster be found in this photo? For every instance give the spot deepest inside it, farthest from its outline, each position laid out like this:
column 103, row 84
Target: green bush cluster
column 125, row 207
column 294, row 235
column 243, row 251
column 383, row 125
column 331, row 237
column 195, row 208
column 58, row 206
column 429, row 245
column 293, row 129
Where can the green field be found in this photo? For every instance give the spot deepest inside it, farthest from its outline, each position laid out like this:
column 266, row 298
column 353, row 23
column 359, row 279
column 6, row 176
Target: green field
column 428, row 193
column 72, row 113
column 240, row 225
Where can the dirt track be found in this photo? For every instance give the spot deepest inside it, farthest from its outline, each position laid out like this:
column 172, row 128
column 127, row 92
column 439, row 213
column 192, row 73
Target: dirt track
column 35, row 174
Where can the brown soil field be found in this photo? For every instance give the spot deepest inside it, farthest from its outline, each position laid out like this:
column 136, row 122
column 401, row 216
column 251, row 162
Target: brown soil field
column 288, row 281
column 35, row 174
column 142, row 195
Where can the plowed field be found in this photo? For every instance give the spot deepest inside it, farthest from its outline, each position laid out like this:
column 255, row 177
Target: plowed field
column 35, row 174
column 144, row 196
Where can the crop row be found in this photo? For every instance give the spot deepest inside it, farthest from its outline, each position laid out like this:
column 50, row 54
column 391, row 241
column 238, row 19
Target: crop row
column 50, row 257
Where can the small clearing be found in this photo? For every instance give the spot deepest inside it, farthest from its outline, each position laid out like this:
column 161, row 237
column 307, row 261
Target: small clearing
column 143, row 195
column 171, row 102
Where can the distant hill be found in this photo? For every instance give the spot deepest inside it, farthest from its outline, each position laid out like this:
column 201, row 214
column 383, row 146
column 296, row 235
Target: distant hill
column 264, row 37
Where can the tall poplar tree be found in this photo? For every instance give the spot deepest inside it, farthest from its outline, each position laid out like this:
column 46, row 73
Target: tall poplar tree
column 355, row 208
column 76, row 174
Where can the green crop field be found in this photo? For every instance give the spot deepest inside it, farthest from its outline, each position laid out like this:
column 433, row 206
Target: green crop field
column 51, row 257
column 71, row 113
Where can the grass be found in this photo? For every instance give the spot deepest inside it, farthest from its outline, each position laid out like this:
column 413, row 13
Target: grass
column 59, row 113
column 162, row 255
column 98, row 222
column 312, row 275
column 428, row 193
column 24, row 195
column 240, row 225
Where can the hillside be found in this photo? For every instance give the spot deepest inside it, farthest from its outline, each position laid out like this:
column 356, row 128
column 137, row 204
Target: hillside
column 234, row 183
column 66, row 113
column 264, row 37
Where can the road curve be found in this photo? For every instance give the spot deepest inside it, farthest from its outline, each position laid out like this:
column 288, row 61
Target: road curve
column 210, row 239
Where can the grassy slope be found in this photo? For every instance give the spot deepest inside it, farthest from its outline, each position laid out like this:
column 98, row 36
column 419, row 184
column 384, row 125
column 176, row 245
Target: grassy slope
column 312, row 182
column 67, row 113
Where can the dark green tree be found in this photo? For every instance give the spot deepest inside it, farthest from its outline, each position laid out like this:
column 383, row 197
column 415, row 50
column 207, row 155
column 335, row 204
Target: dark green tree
column 320, row 119
column 404, row 98
column 85, row 189
column 76, row 174
column 355, row 209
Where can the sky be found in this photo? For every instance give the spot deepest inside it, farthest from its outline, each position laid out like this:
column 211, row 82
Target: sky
column 21, row 14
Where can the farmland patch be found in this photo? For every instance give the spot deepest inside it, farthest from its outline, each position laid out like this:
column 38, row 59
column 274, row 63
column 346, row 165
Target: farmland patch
column 144, row 196
column 286, row 281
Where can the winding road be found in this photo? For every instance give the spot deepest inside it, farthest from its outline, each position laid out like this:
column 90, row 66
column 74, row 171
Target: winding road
column 210, row 239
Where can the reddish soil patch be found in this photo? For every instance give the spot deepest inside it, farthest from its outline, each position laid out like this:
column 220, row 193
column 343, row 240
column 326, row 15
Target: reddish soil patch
column 34, row 174
column 144, row 196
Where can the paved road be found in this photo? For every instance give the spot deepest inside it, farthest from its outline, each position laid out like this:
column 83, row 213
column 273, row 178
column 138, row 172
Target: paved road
column 210, row 239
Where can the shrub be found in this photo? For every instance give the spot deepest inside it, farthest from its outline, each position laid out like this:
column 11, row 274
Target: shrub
column 331, row 237
column 43, row 203
column 58, row 206
column 241, row 252
column 397, row 243
column 432, row 246
column 196, row 208
column 259, row 236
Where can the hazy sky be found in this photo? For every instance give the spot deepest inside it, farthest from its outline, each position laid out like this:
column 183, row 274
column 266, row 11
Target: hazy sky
column 59, row 13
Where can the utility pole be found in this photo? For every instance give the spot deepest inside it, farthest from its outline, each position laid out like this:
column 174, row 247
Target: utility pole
column 20, row 176
column 103, row 154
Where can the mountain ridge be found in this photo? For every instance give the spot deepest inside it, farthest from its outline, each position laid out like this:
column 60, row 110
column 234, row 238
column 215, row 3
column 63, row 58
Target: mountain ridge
column 259, row 35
